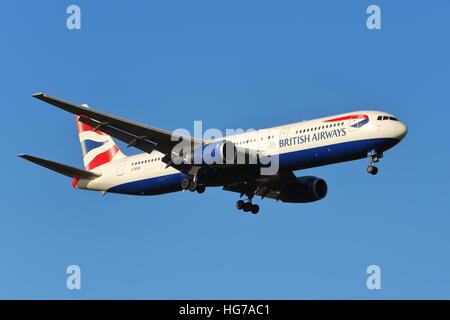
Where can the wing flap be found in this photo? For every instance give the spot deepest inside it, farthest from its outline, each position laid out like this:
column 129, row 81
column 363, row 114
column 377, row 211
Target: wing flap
column 63, row 169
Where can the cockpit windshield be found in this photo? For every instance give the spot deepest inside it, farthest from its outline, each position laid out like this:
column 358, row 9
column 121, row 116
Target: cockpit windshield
column 387, row 118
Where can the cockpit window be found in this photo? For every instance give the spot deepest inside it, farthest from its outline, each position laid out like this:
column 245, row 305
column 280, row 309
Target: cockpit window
column 387, row 118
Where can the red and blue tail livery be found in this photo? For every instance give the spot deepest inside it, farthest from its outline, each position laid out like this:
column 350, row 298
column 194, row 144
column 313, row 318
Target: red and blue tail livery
column 97, row 147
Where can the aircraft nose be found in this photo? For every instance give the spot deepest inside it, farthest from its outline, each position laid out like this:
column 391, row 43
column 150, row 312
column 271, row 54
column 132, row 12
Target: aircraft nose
column 400, row 130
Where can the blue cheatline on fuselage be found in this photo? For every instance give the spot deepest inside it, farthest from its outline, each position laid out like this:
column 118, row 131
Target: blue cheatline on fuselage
column 296, row 160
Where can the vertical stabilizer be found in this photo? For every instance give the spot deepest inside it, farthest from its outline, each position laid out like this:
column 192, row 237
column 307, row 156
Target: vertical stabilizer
column 97, row 147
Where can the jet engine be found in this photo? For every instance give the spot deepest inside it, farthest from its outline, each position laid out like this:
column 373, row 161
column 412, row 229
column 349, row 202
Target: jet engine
column 219, row 153
column 304, row 189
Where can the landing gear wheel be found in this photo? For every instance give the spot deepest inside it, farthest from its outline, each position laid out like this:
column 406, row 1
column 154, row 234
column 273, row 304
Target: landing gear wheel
column 372, row 170
column 247, row 206
column 254, row 209
column 240, row 204
column 201, row 188
column 184, row 184
column 193, row 186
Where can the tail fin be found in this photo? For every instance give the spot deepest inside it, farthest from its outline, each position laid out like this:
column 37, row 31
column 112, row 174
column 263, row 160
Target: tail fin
column 97, row 147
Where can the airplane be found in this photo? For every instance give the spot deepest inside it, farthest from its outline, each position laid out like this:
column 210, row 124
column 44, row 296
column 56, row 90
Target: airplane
column 162, row 168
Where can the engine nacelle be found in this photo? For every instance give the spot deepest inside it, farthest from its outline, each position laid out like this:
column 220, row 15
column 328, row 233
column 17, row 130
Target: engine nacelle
column 219, row 152
column 304, row 189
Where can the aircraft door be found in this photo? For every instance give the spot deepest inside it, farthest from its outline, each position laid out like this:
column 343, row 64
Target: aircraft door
column 121, row 167
column 283, row 134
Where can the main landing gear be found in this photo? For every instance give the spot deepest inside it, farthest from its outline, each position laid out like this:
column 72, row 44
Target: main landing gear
column 192, row 185
column 247, row 206
column 375, row 157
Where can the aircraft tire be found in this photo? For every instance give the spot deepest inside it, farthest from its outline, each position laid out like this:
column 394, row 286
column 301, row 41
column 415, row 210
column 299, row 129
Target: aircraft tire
column 255, row 209
column 201, row 188
column 193, row 186
column 372, row 170
column 247, row 206
column 185, row 184
column 240, row 204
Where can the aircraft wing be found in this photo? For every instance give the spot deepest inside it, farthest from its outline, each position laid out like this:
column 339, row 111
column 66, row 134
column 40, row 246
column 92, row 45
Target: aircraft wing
column 163, row 140
column 263, row 192
column 264, row 187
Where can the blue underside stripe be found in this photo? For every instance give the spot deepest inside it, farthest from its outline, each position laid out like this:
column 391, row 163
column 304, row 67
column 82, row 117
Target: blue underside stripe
column 151, row 186
column 296, row 160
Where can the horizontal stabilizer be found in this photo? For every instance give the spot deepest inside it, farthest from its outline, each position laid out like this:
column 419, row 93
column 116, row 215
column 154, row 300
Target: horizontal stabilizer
column 64, row 169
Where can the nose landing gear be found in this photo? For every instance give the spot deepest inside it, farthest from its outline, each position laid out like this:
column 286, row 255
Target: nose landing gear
column 372, row 169
column 375, row 157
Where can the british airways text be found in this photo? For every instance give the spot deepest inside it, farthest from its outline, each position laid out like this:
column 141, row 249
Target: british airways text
column 312, row 137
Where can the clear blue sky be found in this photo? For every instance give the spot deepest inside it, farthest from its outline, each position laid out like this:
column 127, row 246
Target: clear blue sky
column 232, row 64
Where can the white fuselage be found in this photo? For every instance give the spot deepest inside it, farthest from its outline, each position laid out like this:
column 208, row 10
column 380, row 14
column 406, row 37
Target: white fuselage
column 299, row 145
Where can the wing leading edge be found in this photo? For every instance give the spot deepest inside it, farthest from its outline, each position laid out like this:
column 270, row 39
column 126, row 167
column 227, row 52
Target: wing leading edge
column 163, row 140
